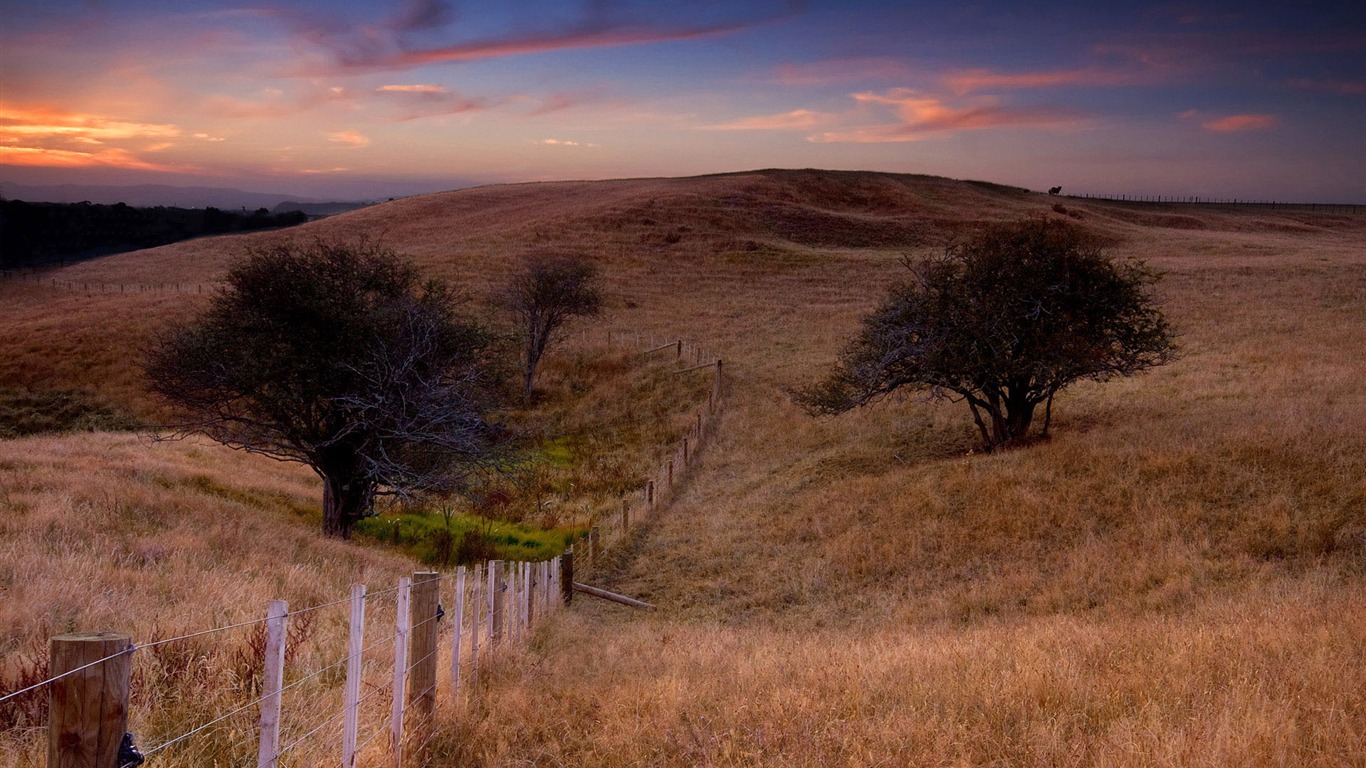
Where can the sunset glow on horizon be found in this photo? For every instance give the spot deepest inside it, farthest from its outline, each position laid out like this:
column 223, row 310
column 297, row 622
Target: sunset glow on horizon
column 353, row 100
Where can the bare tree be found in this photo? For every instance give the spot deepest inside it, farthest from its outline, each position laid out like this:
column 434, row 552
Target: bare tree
column 337, row 356
column 545, row 294
column 1003, row 321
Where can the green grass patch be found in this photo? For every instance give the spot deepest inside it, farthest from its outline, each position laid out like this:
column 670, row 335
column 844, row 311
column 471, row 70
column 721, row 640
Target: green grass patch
column 446, row 538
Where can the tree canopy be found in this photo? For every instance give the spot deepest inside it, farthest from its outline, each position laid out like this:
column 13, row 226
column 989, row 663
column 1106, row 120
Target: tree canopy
column 337, row 355
column 546, row 293
column 1003, row 321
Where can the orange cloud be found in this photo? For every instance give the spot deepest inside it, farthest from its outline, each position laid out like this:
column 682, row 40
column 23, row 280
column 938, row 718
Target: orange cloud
column 65, row 158
column 349, row 138
column 35, row 136
column 31, row 124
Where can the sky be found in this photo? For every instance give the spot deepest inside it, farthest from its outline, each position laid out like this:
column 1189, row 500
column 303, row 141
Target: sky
column 358, row 99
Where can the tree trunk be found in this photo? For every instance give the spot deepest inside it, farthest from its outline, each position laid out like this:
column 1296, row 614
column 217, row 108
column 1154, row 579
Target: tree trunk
column 344, row 504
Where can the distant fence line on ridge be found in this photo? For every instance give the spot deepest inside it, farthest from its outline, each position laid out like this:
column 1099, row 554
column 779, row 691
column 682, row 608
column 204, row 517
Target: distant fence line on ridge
column 1271, row 205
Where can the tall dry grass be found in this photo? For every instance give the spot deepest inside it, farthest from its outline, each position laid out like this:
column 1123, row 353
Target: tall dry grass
column 1174, row 579
column 111, row 532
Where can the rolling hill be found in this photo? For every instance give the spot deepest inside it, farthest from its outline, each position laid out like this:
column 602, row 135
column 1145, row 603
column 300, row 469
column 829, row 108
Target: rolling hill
column 1177, row 577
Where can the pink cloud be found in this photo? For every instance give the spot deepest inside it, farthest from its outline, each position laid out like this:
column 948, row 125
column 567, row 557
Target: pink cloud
column 411, row 89
column 796, row 119
column 970, row 80
column 1239, row 123
column 922, row 115
column 901, row 114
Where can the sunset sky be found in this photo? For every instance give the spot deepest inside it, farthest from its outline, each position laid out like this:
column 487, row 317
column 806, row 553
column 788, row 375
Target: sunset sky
column 344, row 99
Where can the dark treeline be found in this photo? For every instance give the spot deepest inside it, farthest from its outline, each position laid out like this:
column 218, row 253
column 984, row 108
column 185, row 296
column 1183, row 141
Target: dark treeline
column 37, row 233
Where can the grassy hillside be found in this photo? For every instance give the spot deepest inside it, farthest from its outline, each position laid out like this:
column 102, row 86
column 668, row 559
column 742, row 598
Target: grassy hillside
column 1178, row 577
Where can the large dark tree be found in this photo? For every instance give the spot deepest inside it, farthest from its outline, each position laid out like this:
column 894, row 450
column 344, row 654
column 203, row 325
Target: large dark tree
column 339, row 356
column 1003, row 321
column 547, row 292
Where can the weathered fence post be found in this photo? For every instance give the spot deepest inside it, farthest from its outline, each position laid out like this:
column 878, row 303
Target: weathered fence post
column 567, row 576
column 402, row 623
column 422, row 650
column 496, row 587
column 351, row 694
column 88, row 711
column 474, row 624
column 272, row 679
column 459, row 623
column 650, row 493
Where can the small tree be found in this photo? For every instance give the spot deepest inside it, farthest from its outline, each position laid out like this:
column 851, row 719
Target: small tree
column 337, row 356
column 545, row 294
column 1003, row 321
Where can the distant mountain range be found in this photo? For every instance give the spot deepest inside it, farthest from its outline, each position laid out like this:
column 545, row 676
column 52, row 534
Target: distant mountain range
column 151, row 195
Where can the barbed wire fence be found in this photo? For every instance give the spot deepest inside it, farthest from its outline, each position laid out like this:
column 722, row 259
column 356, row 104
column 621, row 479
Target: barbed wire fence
column 358, row 700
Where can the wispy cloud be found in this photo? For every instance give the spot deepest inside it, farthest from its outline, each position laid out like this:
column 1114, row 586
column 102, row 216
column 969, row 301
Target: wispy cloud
column 349, row 138
column 566, row 143
column 1238, row 123
column 389, row 45
column 974, row 80
column 65, row 158
column 901, row 114
column 49, row 137
column 411, row 89
column 797, row 119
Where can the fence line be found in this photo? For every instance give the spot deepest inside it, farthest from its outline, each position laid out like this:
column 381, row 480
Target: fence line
column 518, row 597
column 1272, row 205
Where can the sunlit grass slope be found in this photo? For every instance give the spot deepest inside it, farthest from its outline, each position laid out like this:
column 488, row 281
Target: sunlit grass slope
column 1176, row 578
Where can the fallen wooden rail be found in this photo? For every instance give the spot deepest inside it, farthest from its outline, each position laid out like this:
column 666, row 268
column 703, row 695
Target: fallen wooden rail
column 712, row 364
column 614, row 597
column 671, row 345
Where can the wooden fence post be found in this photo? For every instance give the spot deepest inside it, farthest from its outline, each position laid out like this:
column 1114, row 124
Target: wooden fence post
column 272, row 679
column 459, row 622
column 474, row 624
column 87, row 711
column 685, row 451
column 671, row 474
column 402, row 623
column 650, row 493
column 496, row 587
column 535, row 584
column 355, row 644
column 422, row 643
column 567, row 576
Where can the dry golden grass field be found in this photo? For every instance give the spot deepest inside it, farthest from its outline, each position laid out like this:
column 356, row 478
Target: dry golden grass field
column 1176, row 578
